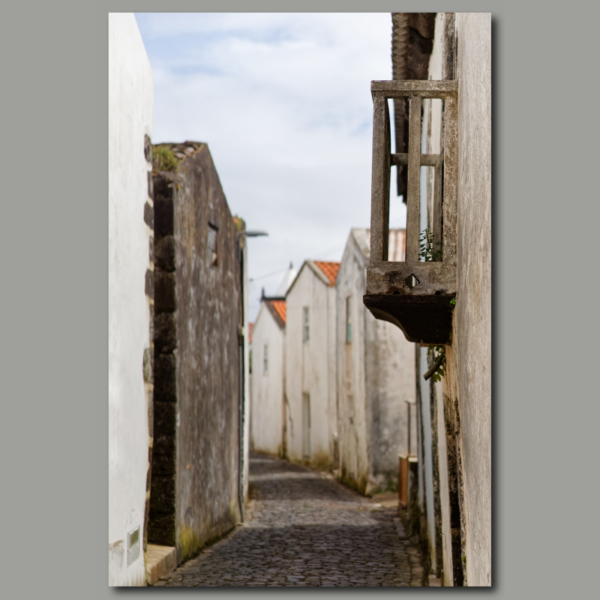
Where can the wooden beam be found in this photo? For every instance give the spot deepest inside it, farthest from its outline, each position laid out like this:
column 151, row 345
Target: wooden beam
column 414, row 179
column 380, row 180
column 427, row 160
column 425, row 88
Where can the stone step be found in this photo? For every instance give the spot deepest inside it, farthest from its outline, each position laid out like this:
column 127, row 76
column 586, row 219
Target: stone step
column 160, row 561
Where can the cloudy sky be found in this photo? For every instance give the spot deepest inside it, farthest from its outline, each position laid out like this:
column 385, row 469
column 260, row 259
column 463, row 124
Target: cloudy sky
column 284, row 103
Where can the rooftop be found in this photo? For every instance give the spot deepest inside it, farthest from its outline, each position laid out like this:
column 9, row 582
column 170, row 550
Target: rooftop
column 279, row 307
column 330, row 269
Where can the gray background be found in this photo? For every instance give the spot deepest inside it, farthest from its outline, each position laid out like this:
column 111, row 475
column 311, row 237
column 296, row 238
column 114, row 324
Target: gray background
column 53, row 236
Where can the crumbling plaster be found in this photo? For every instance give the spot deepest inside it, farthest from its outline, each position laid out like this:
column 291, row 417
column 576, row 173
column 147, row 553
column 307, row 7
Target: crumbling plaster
column 473, row 312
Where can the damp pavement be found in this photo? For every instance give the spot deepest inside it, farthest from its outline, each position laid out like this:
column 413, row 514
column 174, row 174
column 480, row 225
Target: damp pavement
column 305, row 529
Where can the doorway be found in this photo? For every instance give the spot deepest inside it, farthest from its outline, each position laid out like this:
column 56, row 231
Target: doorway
column 306, row 426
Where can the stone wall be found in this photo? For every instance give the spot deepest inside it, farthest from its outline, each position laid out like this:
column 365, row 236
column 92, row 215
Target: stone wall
column 198, row 357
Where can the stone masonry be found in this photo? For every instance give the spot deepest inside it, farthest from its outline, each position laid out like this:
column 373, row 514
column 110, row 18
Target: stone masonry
column 303, row 528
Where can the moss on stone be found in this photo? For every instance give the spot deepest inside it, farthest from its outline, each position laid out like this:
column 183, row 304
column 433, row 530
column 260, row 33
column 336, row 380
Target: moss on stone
column 190, row 543
column 320, row 461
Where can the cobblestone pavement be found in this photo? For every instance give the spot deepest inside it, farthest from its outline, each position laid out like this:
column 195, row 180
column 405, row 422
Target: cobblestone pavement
column 303, row 528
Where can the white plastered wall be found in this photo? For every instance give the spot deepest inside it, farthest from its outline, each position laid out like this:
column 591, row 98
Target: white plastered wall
column 375, row 375
column 433, row 145
column 267, row 387
column 469, row 358
column 473, row 311
column 352, row 419
column 307, row 363
column 130, row 118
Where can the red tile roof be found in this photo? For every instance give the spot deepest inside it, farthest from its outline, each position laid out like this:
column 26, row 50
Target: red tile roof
column 279, row 306
column 330, row 269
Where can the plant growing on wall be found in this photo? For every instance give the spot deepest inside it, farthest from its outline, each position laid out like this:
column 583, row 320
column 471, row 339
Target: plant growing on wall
column 164, row 159
column 429, row 250
column 437, row 354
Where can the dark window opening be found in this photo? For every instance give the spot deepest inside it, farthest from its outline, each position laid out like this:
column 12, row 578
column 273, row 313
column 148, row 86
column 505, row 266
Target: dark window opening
column 212, row 245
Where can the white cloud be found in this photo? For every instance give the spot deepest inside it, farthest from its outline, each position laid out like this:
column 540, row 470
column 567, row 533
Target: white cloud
column 283, row 101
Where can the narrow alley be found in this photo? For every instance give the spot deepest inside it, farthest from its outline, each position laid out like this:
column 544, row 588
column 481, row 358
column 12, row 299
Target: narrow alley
column 303, row 528
column 368, row 364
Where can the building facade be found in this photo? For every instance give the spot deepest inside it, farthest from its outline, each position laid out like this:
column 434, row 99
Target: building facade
column 440, row 296
column 375, row 377
column 267, row 415
column 466, row 397
column 310, row 379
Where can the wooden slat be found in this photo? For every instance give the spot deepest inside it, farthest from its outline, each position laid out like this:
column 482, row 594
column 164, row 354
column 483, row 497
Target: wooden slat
column 414, row 183
column 427, row 160
column 380, row 180
column 427, row 88
column 386, row 175
column 437, row 203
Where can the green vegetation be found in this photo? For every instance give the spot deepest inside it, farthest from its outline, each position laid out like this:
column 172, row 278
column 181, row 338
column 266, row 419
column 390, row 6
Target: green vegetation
column 239, row 223
column 437, row 352
column 164, row 159
column 429, row 250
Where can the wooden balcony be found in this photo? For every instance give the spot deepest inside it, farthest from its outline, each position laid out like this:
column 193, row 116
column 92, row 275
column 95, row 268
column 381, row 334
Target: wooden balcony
column 413, row 294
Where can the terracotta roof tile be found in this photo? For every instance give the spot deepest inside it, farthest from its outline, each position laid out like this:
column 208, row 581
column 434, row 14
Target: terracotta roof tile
column 279, row 306
column 330, row 269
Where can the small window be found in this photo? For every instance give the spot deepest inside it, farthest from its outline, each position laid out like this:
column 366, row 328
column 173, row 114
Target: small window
column 265, row 359
column 306, row 324
column 211, row 245
column 348, row 320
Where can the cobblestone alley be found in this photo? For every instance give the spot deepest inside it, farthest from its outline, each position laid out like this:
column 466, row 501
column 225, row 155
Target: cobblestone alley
column 303, row 528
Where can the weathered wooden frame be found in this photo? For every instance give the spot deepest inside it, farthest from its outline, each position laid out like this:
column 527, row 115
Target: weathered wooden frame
column 421, row 309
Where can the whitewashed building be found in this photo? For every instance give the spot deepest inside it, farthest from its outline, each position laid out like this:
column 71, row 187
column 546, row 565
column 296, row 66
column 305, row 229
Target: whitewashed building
column 375, row 376
column 310, row 366
column 130, row 299
column 267, row 383
column 267, row 410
